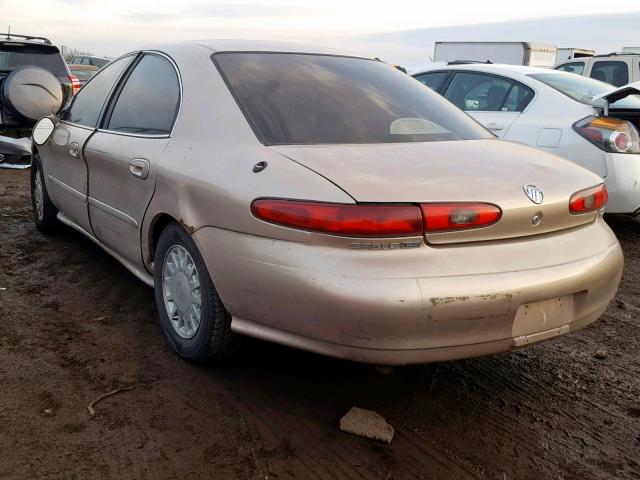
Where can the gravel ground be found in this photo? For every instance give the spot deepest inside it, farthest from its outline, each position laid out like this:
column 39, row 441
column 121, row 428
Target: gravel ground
column 75, row 324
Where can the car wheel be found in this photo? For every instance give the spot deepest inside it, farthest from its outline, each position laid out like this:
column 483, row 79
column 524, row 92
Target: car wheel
column 44, row 211
column 192, row 315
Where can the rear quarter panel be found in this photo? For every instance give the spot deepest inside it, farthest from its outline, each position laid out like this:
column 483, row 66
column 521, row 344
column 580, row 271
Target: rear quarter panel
column 205, row 175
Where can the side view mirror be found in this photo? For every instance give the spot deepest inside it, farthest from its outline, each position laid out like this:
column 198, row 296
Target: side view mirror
column 43, row 129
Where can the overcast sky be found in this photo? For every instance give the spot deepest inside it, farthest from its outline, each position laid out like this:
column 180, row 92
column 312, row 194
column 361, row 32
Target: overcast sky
column 111, row 28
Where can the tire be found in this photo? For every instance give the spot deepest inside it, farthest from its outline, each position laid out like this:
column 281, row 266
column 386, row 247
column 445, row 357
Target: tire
column 177, row 259
column 44, row 211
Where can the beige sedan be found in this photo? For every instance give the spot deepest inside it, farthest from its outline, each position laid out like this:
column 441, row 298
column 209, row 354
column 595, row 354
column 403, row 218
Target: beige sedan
column 322, row 201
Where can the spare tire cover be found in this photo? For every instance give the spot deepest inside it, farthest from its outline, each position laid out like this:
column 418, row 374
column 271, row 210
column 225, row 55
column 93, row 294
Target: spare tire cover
column 32, row 92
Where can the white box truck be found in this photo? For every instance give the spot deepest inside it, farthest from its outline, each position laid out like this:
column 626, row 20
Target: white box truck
column 565, row 54
column 512, row 53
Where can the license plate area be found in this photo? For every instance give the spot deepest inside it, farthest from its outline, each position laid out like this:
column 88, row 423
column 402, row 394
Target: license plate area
column 541, row 320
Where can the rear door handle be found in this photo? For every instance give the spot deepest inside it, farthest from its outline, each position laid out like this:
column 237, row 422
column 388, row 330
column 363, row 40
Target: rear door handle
column 494, row 126
column 139, row 168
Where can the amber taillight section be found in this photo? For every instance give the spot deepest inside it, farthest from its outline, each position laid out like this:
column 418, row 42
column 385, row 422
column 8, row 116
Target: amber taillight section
column 443, row 217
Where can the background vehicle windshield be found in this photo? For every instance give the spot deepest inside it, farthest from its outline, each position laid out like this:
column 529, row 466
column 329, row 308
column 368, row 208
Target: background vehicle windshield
column 311, row 99
column 583, row 89
column 12, row 56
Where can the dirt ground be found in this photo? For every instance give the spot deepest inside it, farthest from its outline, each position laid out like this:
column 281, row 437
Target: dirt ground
column 74, row 324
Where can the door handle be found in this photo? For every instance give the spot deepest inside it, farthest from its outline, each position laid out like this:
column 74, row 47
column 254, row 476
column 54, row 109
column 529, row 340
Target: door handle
column 74, row 150
column 139, row 168
column 494, row 126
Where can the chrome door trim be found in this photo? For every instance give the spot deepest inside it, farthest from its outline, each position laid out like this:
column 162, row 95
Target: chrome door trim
column 72, row 124
column 142, row 275
column 70, row 190
column 120, row 215
column 139, row 135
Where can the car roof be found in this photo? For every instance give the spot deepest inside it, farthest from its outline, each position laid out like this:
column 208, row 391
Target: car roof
column 497, row 68
column 13, row 38
column 238, row 45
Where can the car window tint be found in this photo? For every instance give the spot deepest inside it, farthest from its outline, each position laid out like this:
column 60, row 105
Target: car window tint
column 432, row 80
column 43, row 56
column 478, row 92
column 293, row 99
column 87, row 104
column 83, row 75
column 614, row 73
column 99, row 62
column 518, row 98
column 573, row 67
column 148, row 102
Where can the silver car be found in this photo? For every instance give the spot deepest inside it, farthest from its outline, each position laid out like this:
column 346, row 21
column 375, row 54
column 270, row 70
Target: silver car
column 323, row 201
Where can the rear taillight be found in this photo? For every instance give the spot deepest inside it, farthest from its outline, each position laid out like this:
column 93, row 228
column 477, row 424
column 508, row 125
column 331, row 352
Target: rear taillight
column 442, row 217
column 589, row 200
column 375, row 220
column 75, row 84
column 610, row 134
column 339, row 219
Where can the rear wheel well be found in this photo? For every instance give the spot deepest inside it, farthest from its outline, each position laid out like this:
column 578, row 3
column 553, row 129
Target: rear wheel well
column 159, row 225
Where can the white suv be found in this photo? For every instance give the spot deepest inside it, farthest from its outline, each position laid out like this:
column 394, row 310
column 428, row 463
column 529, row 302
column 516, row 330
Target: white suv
column 616, row 68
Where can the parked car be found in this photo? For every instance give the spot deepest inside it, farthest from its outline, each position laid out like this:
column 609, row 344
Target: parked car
column 322, row 201
column 513, row 53
column 557, row 112
column 23, row 59
column 89, row 60
column 83, row 72
column 617, row 69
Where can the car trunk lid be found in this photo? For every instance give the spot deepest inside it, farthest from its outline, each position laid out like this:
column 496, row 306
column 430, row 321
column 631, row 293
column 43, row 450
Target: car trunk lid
column 487, row 171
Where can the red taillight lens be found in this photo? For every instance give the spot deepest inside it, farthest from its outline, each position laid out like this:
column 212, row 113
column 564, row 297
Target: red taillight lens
column 589, row 200
column 75, row 84
column 442, row 217
column 610, row 134
column 339, row 219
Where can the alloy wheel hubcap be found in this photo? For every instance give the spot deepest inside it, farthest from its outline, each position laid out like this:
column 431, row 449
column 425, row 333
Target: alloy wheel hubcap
column 38, row 195
column 181, row 291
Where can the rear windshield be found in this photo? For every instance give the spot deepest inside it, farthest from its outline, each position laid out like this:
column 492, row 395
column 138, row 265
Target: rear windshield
column 83, row 75
column 12, row 56
column 583, row 89
column 99, row 62
column 321, row 99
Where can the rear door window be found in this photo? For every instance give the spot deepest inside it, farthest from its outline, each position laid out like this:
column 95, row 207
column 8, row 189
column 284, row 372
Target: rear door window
column 573, row 67
column 433, row 80
column 89, row 101
column 478, row 92
column 148, row 102
column 518, row 98
column 613, row 72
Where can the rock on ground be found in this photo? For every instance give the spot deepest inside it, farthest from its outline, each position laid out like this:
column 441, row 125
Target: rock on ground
column 367, row 424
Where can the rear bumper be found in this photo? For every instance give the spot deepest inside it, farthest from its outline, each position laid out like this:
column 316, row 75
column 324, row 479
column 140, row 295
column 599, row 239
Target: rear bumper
column 15, row 152
column 623, row 182
column 418, row 305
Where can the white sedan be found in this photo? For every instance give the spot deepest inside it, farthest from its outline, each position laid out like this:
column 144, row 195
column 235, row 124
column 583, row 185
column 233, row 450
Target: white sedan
column 581, row 119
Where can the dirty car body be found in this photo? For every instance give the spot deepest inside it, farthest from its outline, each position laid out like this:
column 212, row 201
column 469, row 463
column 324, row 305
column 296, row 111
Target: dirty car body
column 337, row 205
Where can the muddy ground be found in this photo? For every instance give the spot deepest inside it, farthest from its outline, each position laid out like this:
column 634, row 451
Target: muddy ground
column 74, row 324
